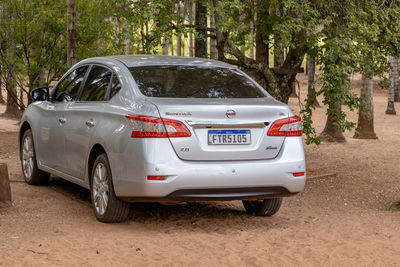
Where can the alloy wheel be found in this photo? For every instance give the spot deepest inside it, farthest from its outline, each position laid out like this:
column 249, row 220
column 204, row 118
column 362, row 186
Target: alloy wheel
column 27, row 157
column 100, row 188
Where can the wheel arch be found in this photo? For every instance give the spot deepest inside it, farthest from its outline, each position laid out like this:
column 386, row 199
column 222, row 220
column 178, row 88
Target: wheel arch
column 24, row 127
column 97, row 149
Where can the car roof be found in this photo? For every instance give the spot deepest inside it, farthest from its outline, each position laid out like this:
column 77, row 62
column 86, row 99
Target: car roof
column 155, row 60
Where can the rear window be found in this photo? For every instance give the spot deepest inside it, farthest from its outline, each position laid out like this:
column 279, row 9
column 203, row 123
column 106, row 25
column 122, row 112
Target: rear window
column 194, row 82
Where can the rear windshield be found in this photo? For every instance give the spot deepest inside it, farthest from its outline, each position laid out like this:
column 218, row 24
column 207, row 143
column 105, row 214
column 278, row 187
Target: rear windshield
column 194, row 82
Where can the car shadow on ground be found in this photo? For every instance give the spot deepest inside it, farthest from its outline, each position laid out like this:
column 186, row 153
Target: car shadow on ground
column 189, row 215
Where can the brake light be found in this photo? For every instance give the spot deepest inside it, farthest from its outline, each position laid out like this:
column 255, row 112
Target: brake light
column 156, row 178
column 286, row 127
column 153, row 127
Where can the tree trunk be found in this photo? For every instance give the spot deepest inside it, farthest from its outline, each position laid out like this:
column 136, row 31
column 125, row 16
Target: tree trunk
column 171, row 45
column 178, row 36
column 21, row 100
column 311, row 80
column 251, row 39
column 2, row 101
column 126, row 46
column 213, row 42
column 142, row 36
column 394, row 84
column 12, row 97
column 165, row 45
column 397, row 90
column 278, row 52
column 366, row 113
column 5, row 190
column 331, row 132
column 200, row 42
column 190, row 33
column 179, row 45
column 72, row 41
column 262, row 48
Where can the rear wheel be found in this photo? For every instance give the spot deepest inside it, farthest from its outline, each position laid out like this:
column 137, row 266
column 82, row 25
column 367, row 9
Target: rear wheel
column 32, row 174
column 263, row 207
column 106, row 206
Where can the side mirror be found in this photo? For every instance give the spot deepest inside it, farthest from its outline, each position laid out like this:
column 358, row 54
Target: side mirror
column 40, row 94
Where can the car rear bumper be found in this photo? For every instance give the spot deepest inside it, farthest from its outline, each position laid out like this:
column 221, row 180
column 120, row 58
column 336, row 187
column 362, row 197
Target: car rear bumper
column 218, row 194
column 209, row 180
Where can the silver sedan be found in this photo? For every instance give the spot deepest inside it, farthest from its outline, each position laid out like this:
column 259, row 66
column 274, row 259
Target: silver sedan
column 159, row 128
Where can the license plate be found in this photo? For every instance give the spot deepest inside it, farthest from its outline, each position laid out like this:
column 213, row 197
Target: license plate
column 229, row 137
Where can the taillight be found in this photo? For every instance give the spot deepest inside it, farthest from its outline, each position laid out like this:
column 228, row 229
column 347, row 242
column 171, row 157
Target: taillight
column 153, row 127
column 156, row 178
column 286, row 127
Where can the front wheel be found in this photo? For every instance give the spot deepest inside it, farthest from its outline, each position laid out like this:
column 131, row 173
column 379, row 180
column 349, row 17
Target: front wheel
column 32, row 174
column 106, row 206
column 263, row 207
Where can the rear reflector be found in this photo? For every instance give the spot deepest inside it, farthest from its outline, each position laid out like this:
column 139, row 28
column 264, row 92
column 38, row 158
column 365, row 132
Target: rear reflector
column 286, row 127
column 297, row 174
column 156, row 178
column 153, row 127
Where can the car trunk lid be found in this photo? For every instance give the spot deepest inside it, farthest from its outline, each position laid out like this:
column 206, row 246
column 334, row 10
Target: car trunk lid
column 209, row 120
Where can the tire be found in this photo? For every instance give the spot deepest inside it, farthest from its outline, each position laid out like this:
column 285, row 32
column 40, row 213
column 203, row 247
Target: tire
column 263, row 207
column 106, row 206
column 32, row 175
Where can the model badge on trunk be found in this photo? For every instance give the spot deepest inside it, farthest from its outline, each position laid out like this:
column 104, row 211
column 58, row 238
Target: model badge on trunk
column 178, row 113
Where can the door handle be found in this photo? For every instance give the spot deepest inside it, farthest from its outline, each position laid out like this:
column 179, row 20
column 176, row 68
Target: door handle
column 90, row 123
column 62, row 120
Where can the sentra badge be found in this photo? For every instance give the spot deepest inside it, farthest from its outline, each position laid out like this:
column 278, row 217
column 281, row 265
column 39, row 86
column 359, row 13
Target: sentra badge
column 178, row 113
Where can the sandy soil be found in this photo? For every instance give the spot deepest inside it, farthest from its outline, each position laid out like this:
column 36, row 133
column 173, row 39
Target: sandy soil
column 351, row 218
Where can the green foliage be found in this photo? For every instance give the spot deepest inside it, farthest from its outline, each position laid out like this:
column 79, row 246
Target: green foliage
column 32, row 42
column 355, row 38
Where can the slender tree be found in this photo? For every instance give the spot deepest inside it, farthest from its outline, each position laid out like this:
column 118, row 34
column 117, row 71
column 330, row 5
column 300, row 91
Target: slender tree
column 279, row 56
column 165, row 45
column 311, row 80
column 179, row 35
column 262, row 38
column 9, row 78
column 191, row 50
column 394, row 84
column 200, row 42
column 365, row 124
column 251, row 39
column 171, row 46
column 2, row 101
column 72, row 41
column 213, row 41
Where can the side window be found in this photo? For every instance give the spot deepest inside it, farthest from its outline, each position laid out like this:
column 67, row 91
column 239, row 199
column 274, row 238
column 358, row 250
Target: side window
column 115, row 86
column 96, row 84
column 68, row 88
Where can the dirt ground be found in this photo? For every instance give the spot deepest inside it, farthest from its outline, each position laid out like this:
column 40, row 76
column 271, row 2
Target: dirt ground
column 349, row 218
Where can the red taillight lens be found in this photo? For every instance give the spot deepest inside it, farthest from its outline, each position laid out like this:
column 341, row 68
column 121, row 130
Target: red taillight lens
column 286, row 127
column 156, row 178
column 153, row 127
column 298, row 174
